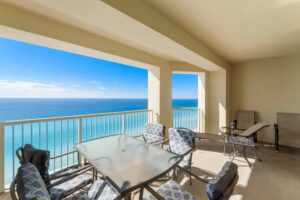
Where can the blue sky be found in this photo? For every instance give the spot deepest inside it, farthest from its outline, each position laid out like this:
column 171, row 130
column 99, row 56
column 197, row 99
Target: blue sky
column 32, row 71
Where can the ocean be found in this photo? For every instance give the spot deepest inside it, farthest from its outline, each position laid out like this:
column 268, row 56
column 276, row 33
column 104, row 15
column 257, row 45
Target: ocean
column 17, row 109
column 59, row 136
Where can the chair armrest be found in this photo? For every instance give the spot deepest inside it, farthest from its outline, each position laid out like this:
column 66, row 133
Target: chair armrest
column 12, row 190
column 154, row 193
column 160, row 142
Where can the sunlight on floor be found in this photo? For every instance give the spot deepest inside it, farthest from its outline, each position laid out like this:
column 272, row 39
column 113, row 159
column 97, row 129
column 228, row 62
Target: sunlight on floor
column 215, row 161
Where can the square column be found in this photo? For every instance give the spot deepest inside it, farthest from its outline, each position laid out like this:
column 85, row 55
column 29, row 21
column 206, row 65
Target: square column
column 201, row 100
column 160, row 94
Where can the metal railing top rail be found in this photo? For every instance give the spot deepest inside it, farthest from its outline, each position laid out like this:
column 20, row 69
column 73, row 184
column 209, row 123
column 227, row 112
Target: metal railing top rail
column 71, row 117
column 186, row 108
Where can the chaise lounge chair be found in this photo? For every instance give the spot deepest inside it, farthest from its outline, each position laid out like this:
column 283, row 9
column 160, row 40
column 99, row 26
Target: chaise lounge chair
column 245, row 139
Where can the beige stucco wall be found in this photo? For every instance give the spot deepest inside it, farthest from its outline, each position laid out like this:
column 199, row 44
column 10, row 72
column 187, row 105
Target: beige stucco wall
column 217, row 106
column 266, row 86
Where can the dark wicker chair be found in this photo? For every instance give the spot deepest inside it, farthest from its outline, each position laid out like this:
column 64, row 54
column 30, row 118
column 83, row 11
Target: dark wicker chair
column 219, row 188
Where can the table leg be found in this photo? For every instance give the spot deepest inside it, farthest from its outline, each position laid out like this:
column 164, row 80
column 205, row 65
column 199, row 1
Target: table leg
column 127, row 196
column 141, row 193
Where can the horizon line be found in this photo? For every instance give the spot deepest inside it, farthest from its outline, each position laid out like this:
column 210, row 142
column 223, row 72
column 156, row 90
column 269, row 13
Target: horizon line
column 80, row 98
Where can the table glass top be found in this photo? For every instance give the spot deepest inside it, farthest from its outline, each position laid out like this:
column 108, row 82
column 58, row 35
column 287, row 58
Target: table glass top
column 128, row 162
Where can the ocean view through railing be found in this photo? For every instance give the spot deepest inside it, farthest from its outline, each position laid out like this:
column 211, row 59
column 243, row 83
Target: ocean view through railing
column 187, row 118
column 59, row 134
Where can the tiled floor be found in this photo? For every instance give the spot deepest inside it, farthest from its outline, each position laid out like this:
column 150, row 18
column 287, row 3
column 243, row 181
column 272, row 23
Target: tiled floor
column 277, row 177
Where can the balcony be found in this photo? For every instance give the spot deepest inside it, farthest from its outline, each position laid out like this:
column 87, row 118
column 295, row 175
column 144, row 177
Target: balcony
column 59, row 134
column 240, row 66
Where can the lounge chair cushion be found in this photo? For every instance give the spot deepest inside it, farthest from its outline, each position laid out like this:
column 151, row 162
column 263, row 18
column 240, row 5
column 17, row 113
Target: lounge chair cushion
column 240, row 140
column 218, row 185
column 173, row 191
column 39, row 158
column 62, row 190
column 30, row 184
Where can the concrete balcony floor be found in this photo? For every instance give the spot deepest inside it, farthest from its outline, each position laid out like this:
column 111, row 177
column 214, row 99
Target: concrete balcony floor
column 277, row 177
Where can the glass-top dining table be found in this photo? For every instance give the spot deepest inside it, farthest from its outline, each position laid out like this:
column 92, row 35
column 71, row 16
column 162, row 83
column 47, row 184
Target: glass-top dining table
column 126, row 162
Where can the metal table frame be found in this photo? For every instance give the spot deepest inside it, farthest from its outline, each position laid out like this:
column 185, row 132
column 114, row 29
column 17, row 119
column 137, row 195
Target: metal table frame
column 126, row 193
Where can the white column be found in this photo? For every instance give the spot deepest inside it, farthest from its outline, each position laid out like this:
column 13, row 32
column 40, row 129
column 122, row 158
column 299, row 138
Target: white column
column 201, row 100
column 1, row 157
column 160, row 94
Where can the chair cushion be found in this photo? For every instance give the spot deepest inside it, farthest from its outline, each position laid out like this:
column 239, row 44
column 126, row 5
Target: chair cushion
column 239, row 140
column 67, row 172
column 30, row 184
column 39, row 158
column 78, row 196
column 172, row 191
column 185, row 161
column 218, row 185
column 62, row 190
column 151, row 138
column 178, row 147
column 182, row 136
column 154, row 132
column 102, row 190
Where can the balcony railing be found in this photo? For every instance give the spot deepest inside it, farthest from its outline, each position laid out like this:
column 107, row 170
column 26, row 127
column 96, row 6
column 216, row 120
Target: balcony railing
column 188, row 118
column 59, row 134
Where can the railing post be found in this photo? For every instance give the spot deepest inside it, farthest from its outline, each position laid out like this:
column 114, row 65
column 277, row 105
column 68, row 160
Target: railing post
column 2, row 179
column 80, row 158
column 124, row 123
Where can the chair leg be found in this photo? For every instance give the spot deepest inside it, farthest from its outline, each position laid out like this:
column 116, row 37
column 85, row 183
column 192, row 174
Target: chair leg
column 256, row 155
column 245, row 157
column 233, row 154
column 190, row 169
column 174, row 173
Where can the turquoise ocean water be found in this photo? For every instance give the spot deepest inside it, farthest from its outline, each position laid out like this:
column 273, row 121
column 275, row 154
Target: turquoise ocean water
column 59, row 136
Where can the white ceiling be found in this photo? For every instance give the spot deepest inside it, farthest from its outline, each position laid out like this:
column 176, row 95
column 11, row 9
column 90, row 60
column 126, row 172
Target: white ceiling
column 101, row 19
column 239, row 30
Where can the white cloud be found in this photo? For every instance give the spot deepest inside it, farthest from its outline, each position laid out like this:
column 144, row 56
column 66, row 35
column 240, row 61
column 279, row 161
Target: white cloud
column 98, row 85
column 96, row 82
column 26, row 89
